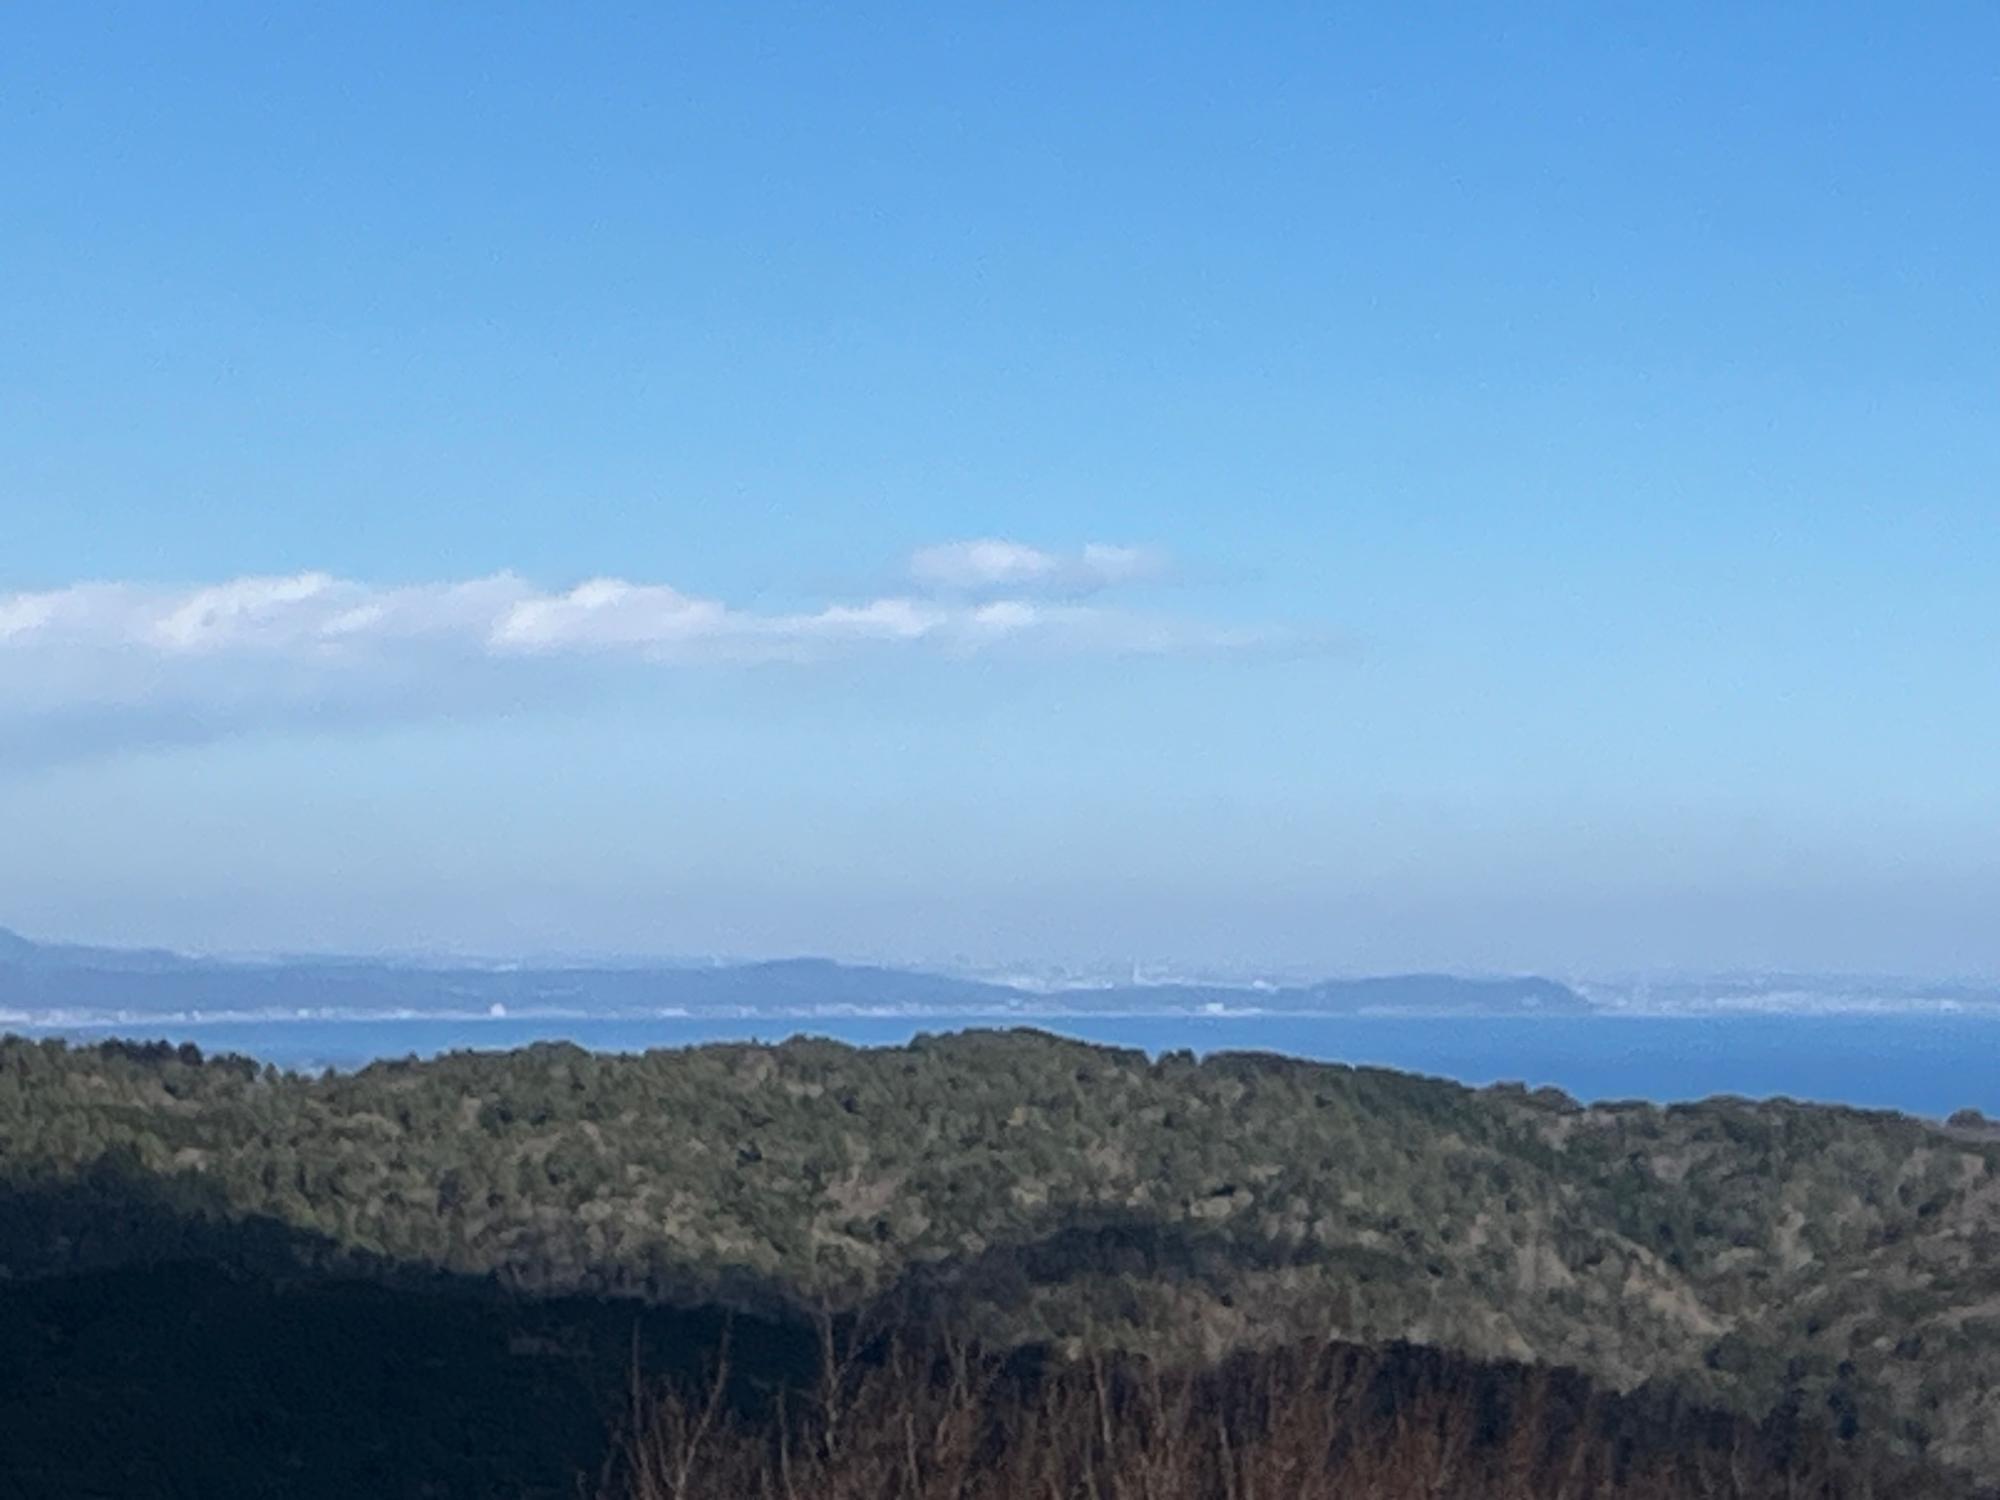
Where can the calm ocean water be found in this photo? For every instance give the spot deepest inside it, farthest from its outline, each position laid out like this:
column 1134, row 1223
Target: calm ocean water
column 1926, row 1065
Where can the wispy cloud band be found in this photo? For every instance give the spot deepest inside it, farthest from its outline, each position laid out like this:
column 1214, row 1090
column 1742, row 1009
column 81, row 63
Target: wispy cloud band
column 259, row 649
column 990, row 563
column 316, row 617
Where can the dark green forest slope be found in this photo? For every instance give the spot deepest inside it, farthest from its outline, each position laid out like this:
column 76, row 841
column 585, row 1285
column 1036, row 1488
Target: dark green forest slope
column 1037, row 1190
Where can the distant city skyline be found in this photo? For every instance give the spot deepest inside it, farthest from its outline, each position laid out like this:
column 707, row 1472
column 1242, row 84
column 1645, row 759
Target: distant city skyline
column 1516, row 491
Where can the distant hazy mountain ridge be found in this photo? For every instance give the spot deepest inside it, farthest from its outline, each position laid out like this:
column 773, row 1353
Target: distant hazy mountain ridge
column 40, row 979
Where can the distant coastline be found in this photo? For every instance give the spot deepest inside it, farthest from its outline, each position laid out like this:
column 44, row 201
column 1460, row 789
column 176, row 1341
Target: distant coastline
column 53, row 986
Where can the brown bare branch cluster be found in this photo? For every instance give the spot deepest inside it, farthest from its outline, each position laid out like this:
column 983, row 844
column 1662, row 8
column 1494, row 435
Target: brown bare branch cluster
column 893, row 1420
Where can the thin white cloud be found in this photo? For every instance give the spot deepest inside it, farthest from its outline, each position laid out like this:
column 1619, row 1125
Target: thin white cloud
column 260, row 611
column 990, row 563
column 132, row 660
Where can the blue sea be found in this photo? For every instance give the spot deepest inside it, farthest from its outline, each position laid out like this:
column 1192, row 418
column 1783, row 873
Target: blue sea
column 1925, row 1065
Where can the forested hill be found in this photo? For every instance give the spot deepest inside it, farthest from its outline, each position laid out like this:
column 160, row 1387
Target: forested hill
column 1036, row 1189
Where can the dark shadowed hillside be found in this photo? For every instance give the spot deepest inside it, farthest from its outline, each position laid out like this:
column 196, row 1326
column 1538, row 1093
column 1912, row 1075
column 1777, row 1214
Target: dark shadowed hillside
column 216, row 1367
column 1029, row 1191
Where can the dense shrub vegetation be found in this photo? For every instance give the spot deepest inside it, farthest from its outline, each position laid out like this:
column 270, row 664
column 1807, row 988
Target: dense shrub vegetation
column 1031, row 1190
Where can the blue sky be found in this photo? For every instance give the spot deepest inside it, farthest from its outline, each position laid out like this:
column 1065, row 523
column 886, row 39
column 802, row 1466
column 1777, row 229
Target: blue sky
column 1484, row 487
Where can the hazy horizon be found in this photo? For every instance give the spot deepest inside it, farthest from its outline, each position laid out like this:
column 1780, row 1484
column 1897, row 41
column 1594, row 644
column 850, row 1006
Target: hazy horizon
column 1041, row 973
column 1513, row 493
